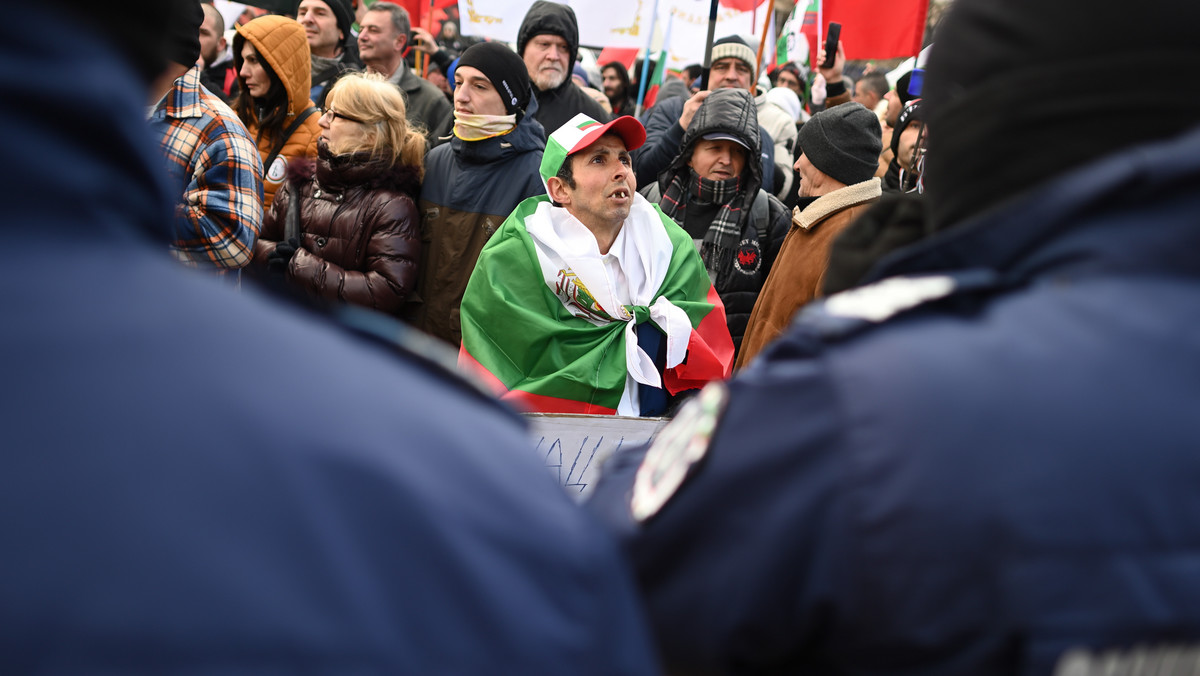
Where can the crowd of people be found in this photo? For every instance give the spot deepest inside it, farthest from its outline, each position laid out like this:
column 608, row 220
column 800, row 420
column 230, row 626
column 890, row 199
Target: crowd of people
column 733, row 195
column 924, row 343
column 410, row 250
column 359, row 220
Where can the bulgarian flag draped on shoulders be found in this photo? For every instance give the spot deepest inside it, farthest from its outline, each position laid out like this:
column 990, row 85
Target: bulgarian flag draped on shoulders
column 545, row 323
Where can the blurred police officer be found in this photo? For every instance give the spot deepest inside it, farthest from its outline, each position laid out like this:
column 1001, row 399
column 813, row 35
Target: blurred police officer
column 986, row 457
column 166, row 508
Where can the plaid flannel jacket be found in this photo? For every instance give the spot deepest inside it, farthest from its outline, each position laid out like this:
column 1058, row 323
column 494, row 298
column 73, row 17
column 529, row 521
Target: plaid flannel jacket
column 217, row 168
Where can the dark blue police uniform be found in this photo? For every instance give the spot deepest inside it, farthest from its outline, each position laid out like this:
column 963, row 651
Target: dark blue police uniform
column 196, row 480
column 970, row 467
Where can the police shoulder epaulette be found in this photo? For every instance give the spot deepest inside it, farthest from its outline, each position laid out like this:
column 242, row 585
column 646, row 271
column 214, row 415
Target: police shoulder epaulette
column 420, row 348
column 850, row 312
column 676, row 450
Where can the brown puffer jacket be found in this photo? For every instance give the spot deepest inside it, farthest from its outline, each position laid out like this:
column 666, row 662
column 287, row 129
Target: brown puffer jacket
column 360, row 232
column 281, row 42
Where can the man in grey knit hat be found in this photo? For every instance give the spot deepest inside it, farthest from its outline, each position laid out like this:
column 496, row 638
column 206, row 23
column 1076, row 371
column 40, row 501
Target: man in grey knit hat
column 839, row 155
column 734, row 66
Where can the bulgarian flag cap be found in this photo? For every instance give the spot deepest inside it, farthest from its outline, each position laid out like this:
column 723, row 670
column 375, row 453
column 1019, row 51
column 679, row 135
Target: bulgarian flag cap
column 582, row 131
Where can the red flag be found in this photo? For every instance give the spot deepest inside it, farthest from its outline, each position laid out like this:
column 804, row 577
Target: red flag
column 807, row 16
column 625, row 55
column 873, row 29
column 418, row 10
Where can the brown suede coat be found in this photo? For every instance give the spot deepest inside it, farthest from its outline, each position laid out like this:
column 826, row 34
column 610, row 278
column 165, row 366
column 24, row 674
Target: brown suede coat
column 281, row 42
column 800, row 268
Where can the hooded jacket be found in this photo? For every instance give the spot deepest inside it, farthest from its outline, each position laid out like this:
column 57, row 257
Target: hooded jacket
column 761, row 234
column 664, row 137
column 558, row 105
column 359, row 237
column 470, row 188
column 280, row 42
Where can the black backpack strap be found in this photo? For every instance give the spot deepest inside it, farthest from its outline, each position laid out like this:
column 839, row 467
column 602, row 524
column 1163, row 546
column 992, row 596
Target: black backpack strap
column 287, row 134
column 291, row 226
column 760, row 215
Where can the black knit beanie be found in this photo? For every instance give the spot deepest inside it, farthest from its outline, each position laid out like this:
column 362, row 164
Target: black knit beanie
column 843, row 142
column 911, row 113
column 1020, row 91
column 344, row 14
column 902, row 88
column 505, row 69
column 183, row 34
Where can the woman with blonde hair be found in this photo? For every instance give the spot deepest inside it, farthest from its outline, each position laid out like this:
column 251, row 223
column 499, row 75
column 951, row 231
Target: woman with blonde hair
column 346, row 227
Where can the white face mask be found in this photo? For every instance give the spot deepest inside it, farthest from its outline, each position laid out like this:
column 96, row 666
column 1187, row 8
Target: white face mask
column 470, row 127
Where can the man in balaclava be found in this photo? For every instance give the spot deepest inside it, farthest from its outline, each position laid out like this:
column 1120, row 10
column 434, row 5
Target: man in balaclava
column 983, row 460
column 548, row 43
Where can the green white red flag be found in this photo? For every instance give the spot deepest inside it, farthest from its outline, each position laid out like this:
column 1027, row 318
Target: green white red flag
column 550, row 340
column 796, row 37
column 656, row 80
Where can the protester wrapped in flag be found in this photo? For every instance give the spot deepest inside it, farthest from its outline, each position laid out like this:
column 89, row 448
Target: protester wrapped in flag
column 558, row 318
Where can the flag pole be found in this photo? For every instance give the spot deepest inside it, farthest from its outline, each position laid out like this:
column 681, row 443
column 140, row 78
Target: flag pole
column 708, row 43
column 637, row 109
column 762, row 43
column 820, row 29
column 659, row 70
column 426, row 59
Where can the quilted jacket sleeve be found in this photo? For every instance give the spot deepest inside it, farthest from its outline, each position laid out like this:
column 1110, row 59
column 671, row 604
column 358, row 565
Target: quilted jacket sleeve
column 389, row 270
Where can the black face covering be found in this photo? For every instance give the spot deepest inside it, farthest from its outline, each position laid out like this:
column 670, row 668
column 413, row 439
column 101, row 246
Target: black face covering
column 1020, row 91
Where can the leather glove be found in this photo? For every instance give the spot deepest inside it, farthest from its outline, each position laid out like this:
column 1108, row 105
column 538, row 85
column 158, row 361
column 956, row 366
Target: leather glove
column 279, row 259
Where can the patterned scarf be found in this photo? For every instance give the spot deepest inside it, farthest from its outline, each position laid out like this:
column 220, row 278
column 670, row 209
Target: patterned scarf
column 723, row 235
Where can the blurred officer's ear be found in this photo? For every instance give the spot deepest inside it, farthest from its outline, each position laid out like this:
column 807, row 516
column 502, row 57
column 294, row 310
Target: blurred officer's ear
column 138, row 28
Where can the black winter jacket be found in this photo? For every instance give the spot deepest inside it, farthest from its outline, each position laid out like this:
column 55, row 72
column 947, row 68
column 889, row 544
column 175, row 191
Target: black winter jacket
column 761, row 233
column 557, row 106
column 470, row 188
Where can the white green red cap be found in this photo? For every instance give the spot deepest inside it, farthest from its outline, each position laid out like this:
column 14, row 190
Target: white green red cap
column 582, row 131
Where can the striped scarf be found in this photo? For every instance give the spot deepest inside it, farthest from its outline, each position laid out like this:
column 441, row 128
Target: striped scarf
column 724, row 233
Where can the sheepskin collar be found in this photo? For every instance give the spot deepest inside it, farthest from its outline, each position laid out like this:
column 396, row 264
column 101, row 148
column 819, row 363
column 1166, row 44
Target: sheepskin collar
column 838, row 200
